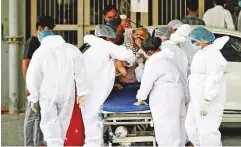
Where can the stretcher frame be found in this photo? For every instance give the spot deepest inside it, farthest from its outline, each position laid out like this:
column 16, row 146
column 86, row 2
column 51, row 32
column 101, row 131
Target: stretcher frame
column 128, row 118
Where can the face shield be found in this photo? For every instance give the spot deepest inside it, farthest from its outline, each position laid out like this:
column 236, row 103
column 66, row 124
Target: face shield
column 105, row 31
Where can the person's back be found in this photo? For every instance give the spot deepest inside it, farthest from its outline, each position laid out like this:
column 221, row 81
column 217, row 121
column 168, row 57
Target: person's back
column 162, row 79
column 168, row 69
column 179, row 58
column 56, row 58
column 218, row 16
column 99, row 62
column 192, row 17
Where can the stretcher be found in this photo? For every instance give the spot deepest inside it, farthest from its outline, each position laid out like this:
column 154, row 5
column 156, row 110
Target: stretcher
column 124, row 122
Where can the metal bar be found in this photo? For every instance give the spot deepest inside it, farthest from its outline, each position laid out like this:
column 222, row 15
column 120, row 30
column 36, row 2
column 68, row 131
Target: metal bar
column 33, row 15
column 201, row 5
column 162, row 12
column 171, row 9
column 45, row 7
column 133, row 17
column 50, row 14
column 64, row 20
column 59, row 12
column 154, row 12
column 128, row 118
column 144, row 19
column 93, row 17
column 40, row 7
column 98, row 10
column 67, row 27
column 186, row 7
column 80, row 35
column 176, row 9
column 74, row 10
column 180, row 8
column 54, row 11
column 125, row 123
column 135, row 139
column 87, row 13
column 68, row 22
column 167, row 11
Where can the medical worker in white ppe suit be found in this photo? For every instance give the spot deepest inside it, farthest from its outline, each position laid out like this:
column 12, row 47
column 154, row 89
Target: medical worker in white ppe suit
column 207, row 89
column 181, row 36
column 181, row 61
column 99, row 61
column 161, row 79
column 53, row 71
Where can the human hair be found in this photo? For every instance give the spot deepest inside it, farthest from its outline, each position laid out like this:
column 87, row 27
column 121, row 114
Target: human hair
column 109, row 8
column 45, row 21
column 151, row 44
column 148, row 35
column 220, row 2
column 193, row 5
column 153, row 32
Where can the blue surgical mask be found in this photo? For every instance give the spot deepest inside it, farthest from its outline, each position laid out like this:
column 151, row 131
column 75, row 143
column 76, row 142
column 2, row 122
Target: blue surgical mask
column 239, row 3
column 196, row 48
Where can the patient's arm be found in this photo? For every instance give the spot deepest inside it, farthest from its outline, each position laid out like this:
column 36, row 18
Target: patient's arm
column 120, row 66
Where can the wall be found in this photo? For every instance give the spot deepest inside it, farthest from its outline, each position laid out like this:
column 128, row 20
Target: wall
column 5, row 55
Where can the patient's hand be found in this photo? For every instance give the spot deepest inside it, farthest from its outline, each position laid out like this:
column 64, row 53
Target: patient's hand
column 118, row 86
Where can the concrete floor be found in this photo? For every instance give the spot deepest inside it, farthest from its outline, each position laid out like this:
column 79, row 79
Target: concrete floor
column 12, row 132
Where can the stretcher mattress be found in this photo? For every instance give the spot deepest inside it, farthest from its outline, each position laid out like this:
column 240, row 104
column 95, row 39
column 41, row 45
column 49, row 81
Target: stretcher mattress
column 122, row 100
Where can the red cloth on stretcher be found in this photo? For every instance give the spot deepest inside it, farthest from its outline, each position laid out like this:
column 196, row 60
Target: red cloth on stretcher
column 75, row 134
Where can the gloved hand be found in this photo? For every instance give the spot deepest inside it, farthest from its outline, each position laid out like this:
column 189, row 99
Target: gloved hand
column 80, row 100
column 204, row 108
column 141, row 52
column 140, row 102
column 27, row 93
column 140, row 60
column 35, row 106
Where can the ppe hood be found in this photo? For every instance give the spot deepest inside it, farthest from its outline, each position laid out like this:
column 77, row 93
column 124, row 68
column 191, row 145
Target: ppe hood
column 52, row 41
column 91, row 40
column 218, row 44
column 181, row 33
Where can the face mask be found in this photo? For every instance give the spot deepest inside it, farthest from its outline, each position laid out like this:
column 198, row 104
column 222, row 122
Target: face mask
column 239, row 3
column 114, row 21
column 44, row 34
column 196, row 48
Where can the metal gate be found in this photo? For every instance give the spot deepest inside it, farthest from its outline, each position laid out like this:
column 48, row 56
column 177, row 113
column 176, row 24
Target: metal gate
column 76, row 18
column 67, row 14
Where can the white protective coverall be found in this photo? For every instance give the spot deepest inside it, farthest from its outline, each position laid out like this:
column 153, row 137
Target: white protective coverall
column 207, row 82
column 181, row 36
column 179, row 59
column 51, row 77
column 162, row 79
column 218, row 17
column 99, row 60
